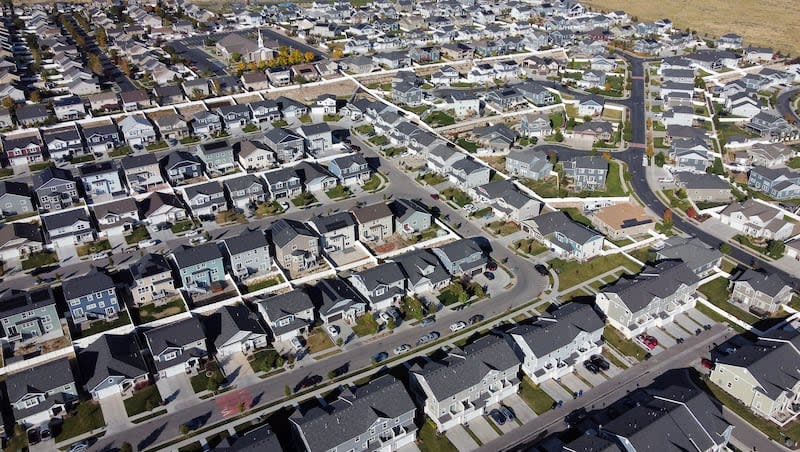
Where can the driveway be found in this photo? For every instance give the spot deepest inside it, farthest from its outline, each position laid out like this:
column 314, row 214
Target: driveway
column 114, row 413
column 674, row 330
column 521, row 409
column 699, row 317
column 664, row 339
column 686, row 323
column 555, row 391
column 481, row 428
column 593, row 379
column 238, row 371
column 573, row 382
column 461, row 439
column 176, row 391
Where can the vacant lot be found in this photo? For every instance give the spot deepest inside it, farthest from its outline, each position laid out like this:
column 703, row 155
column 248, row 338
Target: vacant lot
column 760, row 22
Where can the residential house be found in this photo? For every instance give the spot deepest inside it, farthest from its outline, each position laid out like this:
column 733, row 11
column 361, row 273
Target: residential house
column 338, row 301
column 28, row 318
column 116, row 217
column 382, row 286
column 494, row 138
column 553, row 345
column 15, row 199
column 287, row 146
column 375, row 222
column 142, row 173
column 590, row 105
column 760, row 292
column 405, row 93
column 91, row 297
column 410, row 217
column 287, row 315
column 699, row 257
column 205, row 123
column 217, row 156
column 135, row 100
column 235, row 329
column 463, row 257
column 315, row 177
column 297, row 247
column 41, row 393
column 468, row 173
column 248, row 254
column 535, row 126
column 63, row 143
column 283, row 183
column 337, row 232
column 255, row 81
column 770, row 155
column 565, row 237
column 779, row 183
column 594, row 131
column 587, row 173
column 234, row 116
column 199, row 267
column 159, row 209
column 101, row 138
column 351, row 169
column 507, row 201
column 690, row 155
column 71, row 227
column 177, row 348
column 101, row 180
column 254, row 155
column 621, row 220
column 112, row 365
column 424, row 272
column 318, row 137
column 70, row 107
column 19, row 240
column 23, row 149
column 171, row 126
column 702, row 187
column 264, row 111
column 442, row 158
column 180, row 167
column 246, row 191
column 32, row 115
column 206, row 199
column 151, row 281
column 650, row 299
column 756, row 219
column 529, row 163
column 137, row 130
column 168, row 94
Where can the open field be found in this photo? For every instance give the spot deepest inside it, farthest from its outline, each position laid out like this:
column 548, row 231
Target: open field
column 760, row 22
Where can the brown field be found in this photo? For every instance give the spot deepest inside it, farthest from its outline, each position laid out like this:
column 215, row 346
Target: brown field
column 767, row 23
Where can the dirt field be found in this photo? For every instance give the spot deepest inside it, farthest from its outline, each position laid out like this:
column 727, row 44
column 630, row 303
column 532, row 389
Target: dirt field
column 770, row 23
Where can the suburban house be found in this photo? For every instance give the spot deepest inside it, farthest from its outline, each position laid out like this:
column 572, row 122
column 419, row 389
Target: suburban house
column 72, row 227
column 41, row 393
column 318, row 137
column 246, row 191
column 101, row 180
column 151, row 281
column 287, row 146
column 651, row 299
column 339, row 301
column 116, row 217
column 337, row 232
column 28, row 318
column 265, row 110
column 487, row 372
column 234, row 116
column 757, row 219
column 217, row 157
column 424, row 272
column 112, row 365
column 283, row 183
column 535, row 126
column 567, row 238
column 19, row 240
column 247, row 254
column 235, row 329
column 442, row 158
column 699, row 257
column 199, row 267
column 375, row 222
column 507, row 201
column 205, row 123
column 24, row 148
column 206, row 199
column 178, row 348
column 137, row 131
column 703, row 187
column 55, row 189
column 690, row 155
column 529, row 163
column 376, row 416
column 382, row 286
column 63, row 143
column 779, row 183
column 254, row 155
column 625, row 219
column 297, row 248
column 760, row 292
column 171, row 126
column 553, row 345
column 142, row 173
column 91, row 297
column 287, row 315
column 468, row 173
column 15, row 199
column 181, row 167
column 462, row 257
column 315, row 177
column 101, row 138
column 410, row 217
column 587, row 173
column 770, row 155
column 351, row 169
column 160, row 208
column 594, row 131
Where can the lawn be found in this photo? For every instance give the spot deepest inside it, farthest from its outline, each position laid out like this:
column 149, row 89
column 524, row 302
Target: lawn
column 265, row 360
column 158, row 145
column 338, row 192
column 373, row 183
column 502, row 228
column 613, row 114
column 41, row 259
column 319, row 340
column 457, row 196
column 40, row 166
column 304, row 199
column 379, row 140
column 546, row 188
column 94, row 247
column 263, row 284
column 432, row 179
column 624, row 346
column 150, row 312
column 418, row 109
column 103, row 325
column 82, row 159
column 230, row 216
column 452, row 294
column 572, row 273
column 557, row 120
column 439, row 119
column 250, row 128
column 794, row 163
column 392, row 152
column 748, row 242
column 429, row 440
column 264, row 209
column 469, row 146
column 366, row 129
column 182, row 226
column 530, row 246
column 481, row 212
column 538, row 400
column 87, row 416
column 365, row 325
column 577, row 216
column 189, row 140
column 331, row 118
column 120, row 152
column 138, row 234
column 145, row 399
column 412, row 308
column 305, row 119
column 716, row 291
column 203, row 381
column 280, row 123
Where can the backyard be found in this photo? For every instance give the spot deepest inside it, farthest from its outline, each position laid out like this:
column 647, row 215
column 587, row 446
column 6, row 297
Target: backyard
column 432, row 178
column 439, row 119
column 571, row 273
column 717, row 293
column 98, row 326
column 469, row 146
column 502, row 227
column 150, row 312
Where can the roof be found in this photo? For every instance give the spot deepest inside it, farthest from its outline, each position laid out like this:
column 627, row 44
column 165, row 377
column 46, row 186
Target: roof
column 175, row 334
column 460, row 249
column 111, row 355
column 38, row 380
column 548, row 335
column 383, row 274
column 49, row 173
column 228, row 321
column 593, row 162
column 244, row 182
column 187, row 256
column 17, row 301
column 704, row 181
column 768, row 283
column 372, row 212
column 623, row 215
column 557, row 221
column 336, row 296
column 13, row 231
column 331, row 223
column 92, row 282
column 246, row 241
column 137, row 161
column 285, row 230
column 421, row 264
column 149, row 265
column 691, row 251
column 315, row 129
column 156, row 200
column 772, row 363
column 661, row 280
column 14, row 188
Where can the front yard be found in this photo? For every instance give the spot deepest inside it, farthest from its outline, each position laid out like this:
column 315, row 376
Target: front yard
column 41, row 259
column 373, row 183
column 430, row 440
column 87, row 416
column 145, row 399
column 365, row 325
column 622, row 345
column 432, row 178
column 209, row 379
column 412, row 308
column 469, row 146
column 439, row 119
column 338, row 192
column 458, row 292
column 379, row 140
column 136, row 235
column 304, row 199
column 265, row 360
column 151, row 312
column 457, row 196
column 266, row 209
column 530, row 246
column 94, row 247
column 182, row 226
column 537, row 399
column 502, row 227
column 319, row 340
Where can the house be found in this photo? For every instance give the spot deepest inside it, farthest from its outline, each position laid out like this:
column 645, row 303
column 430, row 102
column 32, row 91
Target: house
column 690, row 155
column 410, row 217
column 283, row 183
column 199, row 267
column 142, row 173
column 405, row 93
column 506, row 99
column 305, row 72
column 375, row 222
column 168, row 94
column 206, row 199
column 442, row 158
column 650, row 299
column 553, row 345
column 247, row 254
column 779, row 183
column 63, row 143
column 234, row 116
column 760, row 292
column 23, row 149
column 135, row 100
column 459, row 387
column 162, row 209
column 91, row 297
column 103, row 102
column 770, row 155
column 535, row 126
column 71, row 227
column 315, row 177
column 101, row 138
column 246, row 191
column 760, row 375
column 279, row 77
column 137, row 131
column 507, row 201
column 620, row 220
column 32, row 115
column 703, row 187
column 101, row 180
column 28, row 318
column 494, row 138
column 351, row 169
column 297, row 248
column 468, row 173
column 590, row 105
column 338, row 301
column 729, row 41
column 264, row 111
column 529, row 163
column 181, row 167
column 19, row 240
column 462, row 257
column 217, row 156
column 318, row 137
column 235, row 329
column 171, row 126
column 205, row 123
column 116, row 217
column 337, row 232
column 701, row 258
column 756, row 219
column 594, row 131
column 41, row 393
column 151, row 281
column 254, row 155
column 287, row 315
column 424, row 272
column 112, row 365
column 464, row 104
column 290, row 108
column 15, row 199
column 587, row 173
column 287, row 146
column 177, row 348
column 255, row 81
column 377, row 415
column 382, row 286
column 567, row 238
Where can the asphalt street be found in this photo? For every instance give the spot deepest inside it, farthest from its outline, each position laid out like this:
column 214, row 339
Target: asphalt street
column 784, row 103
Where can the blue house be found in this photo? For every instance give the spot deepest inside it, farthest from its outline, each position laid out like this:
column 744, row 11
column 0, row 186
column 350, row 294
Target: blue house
column 200, row 266
column 91, row 297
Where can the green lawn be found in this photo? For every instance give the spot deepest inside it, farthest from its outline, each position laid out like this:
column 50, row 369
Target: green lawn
column 572, row 273
column 182, row 226
column 158, row 145
column 338, row 192
column 469, row 146
column 280, row 123
column 266, row 209
column 432, row 178
column 145, row 399
column 151, row 312
column 82, row 159
column 614, row 181
column 530, row 246
column 392, row 152
column 502, row 228
column 373, row 183
column 305, row 119
column 624, row 346
column 102, row 325
column 6, row 172
column 794, row 163
column 189, row 140
column 577, row 216
column 440, row 119
column 138, row 234
column 365, row 325
column 263, row 284
column 557, row 120
column 379, row 140
column 332, row 118
column 418, row 109
column 366, row 129
column 40, row 259
column 429, row 440
column 120, row 152
column 537, row 399
column 717, row 293
column 546, row 188
column 265, row 360
column 304, row 199
column 87, row 416
column 452, row 294
column 481, row 212
column 200, row 382
column 250, row 128
column 40, row 166
column 457, row 196
column 94, row 247
column 412, row 308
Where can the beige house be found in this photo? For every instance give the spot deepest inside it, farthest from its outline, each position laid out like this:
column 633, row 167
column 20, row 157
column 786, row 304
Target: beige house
column 297, row 247
column 763, row 376
column 375, row 222
column 760, row 292
column 625, row 219
column 152, row 281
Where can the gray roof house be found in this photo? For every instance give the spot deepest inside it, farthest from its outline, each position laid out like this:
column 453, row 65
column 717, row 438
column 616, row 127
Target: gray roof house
column 705, row 187
column 19, row 240
column 375, row 222
column 206, row 199
column 315, row 177
column 698, row 256
column 235, row 329
column 287, row 315
column 462, row 257
column 181, row 166
column 177, row 348
column 318, row 137
column 246, row 191
column 297, row 247
column 55, row 189
column 254, row 155
column 38, row 394
column 468, row 173
column 217, row 156
column 410, row 217
column 71, row 227
column 567, row 238
column 112, row 365
column 382, row 286
column 15, row 199
column 587, row 173
column 351, row 169
column 337, row 232
column 287, row 146
column 424, row 272
column 283, row 183
column 248, row 254
column 507, row 201
column 338, row 301
column 760, row 292
column 142, row 173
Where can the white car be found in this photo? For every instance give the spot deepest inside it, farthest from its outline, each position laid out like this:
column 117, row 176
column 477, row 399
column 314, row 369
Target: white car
column 400, row 349
column 458, row 326
column 333, row 330
column 296, row 343
column 469, row 207
column 191, row 233
column 147, row 243
column 285, row 205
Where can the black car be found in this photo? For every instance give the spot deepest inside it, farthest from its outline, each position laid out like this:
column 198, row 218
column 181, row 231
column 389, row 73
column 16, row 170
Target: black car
column 475, row 319
column 488, row 275
column 541, row 269
column 591, row 367
column 308, row 382
column 378, row 357
column 507, row 412
column 341, row 370
column 497, row 416
column 600, row 362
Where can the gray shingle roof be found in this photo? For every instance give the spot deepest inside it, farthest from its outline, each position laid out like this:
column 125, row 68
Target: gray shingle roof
column 545, row 336
column 285, row 230
column 416, row 263
column 460, row 249
column 39, row 379
column 287, row 303
column 336, row 295
column 92, row 282
column 372, row 212
column 661, row 280
column 149, row 265
column 246, row 242
column 558, row 221
column 228, row 321
column 176, row 334
column 330, row 223
column 692, row 251
column 186, row 256
column 768, row 283
column 111, row 355
column 773, row 364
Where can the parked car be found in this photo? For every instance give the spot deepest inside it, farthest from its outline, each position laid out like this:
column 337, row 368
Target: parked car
column 378, row 357
column 333, row 330
column 489, row 275
column 427, row 321
column 80, row 446
column 507, row 412
column 434, row 196
column 341, row 370
column 648, row 341
column 400, row 349
column 491, row 266
column 707, row 363
column 308, row 382
column 591, row 367
column 541, row 269
column 297, row 343
column 458, row 326
column 600, row 362
column 476, row 319
column 148, row 243
column 497, row 416
column 285, row 205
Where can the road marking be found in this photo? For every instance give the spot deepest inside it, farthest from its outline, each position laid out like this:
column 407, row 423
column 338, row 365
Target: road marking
column 637, row 145
column 637, row 77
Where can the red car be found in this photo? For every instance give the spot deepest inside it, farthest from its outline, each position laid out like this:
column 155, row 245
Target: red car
column 434, row 196
column 648, row 341
column 707, row 363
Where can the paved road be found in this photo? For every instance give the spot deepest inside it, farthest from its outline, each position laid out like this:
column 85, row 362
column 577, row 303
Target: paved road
column 784, row 103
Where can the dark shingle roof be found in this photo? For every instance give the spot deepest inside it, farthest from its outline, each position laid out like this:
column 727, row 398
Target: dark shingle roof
column 246, row 241
column 92, row 282
column 39, row 380
column 186, row 256
column 330, row 223
column 285, row 230
column 176, row 334
column 545, row 336
column 661, row 280
column 111, row 355
column 767, row 283
column 228, row 321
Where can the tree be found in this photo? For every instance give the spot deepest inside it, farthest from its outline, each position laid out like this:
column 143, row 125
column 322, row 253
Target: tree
column 649, row 151
column 717, row 167
column 559, row 136
column 184, row 428
column 571, row 123
column 35, row 96
column 776, row 248
column 8, row 102
column 660, row 159
column 607, row 155
column 309, row 56
column 337, row 53
column 236, row 57
column 95, row 64
column 725, row 248
column 587, row 118
column 287, row 390
column 102, row 38
column 667, row 217
column 124, row 66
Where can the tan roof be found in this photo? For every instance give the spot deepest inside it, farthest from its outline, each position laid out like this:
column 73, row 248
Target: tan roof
column 623, row 215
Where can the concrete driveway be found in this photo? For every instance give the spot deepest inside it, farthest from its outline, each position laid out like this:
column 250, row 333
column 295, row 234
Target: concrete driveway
column 573, row 382
column 176, row 391
column 593, row 379
column 461, row 439
column 555, row 391
column 613, row 370
column 674, row 330
column 114, row 413
column 521, row 409
column 481, row 428
column 238, row 371
column 686, row 323
column 699, row 317
column 664, row 339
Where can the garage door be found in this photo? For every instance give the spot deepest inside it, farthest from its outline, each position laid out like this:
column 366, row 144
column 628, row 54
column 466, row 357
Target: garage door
column 229, row 349
column 335, row 317
column 173, row 371
column 106, row 392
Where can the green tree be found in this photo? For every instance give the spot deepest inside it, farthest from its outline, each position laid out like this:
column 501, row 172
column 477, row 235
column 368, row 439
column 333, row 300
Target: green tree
column 717, row 167
column 660, row 159
column 287, row 390
column 776, row 248
column 125, row 447
column 102, row 38
column 184, row 428
column 725, row 248
column 559, row 136
column 236, row 57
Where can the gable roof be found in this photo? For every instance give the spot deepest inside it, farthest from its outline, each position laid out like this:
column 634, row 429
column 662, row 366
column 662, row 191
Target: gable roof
column 660, row 280
column 187, row 256
column 767, row 283
column 246, row 241
column 371, row 212
column 175, row 334
column 557, row 221
column 111, row 355
column 92, row 282
column 228, row 321
column 285, row 230
column 548, row 335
